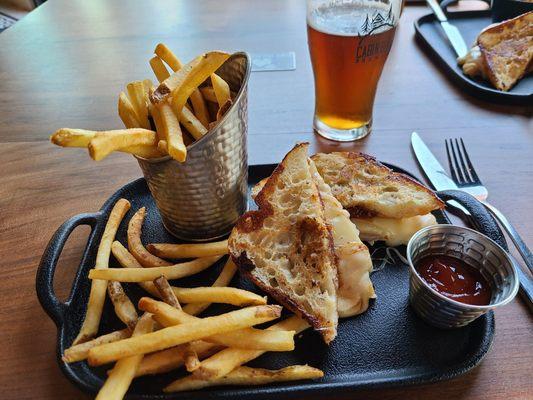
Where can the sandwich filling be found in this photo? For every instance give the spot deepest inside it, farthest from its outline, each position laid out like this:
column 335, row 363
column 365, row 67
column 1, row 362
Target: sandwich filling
column 393, row 231
column 354, row 262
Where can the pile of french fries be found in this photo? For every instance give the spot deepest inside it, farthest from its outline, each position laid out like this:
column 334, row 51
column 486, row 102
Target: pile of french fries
column 167, row 335
column 161, row 120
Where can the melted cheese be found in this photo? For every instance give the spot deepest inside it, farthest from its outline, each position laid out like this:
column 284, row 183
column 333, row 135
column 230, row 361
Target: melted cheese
column 354, row 266
column 393, row 231
column 472, row 63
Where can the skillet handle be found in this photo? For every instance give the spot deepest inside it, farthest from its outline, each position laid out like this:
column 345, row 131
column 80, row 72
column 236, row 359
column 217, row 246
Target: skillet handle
column 45, row 273
column 482, row 220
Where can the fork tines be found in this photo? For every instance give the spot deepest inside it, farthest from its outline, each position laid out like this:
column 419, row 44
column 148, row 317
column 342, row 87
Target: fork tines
column 459, row 162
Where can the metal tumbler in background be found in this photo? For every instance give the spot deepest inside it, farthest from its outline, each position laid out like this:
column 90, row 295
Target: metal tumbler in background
column 202, row 198
column 476, row 250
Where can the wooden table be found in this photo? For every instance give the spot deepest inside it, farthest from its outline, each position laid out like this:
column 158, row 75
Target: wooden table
column 64, row 65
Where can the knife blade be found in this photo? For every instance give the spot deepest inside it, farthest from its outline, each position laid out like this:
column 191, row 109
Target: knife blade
column 451, row 31
column 432, row 168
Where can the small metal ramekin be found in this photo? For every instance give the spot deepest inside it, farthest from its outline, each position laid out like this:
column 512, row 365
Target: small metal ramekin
column 475, row 249
column 202, row 198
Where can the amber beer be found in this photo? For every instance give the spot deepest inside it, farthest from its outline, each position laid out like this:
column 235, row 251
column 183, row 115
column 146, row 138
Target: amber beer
column 348, row 51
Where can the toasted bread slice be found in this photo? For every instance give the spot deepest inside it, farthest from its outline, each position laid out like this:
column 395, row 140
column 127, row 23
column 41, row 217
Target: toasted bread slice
column 507, row 49
column 286, row 247
column 354, row 261
column 367, row 188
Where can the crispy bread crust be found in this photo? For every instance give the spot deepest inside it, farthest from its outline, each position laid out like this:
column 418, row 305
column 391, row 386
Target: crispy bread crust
column 396, row 176
column 364, row 161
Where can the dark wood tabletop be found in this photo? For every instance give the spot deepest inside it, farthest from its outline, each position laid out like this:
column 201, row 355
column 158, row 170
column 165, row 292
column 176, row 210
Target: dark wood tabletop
column 64, row 65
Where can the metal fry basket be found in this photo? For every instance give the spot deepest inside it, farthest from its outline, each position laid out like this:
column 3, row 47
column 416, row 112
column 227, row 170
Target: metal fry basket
column 202, row 198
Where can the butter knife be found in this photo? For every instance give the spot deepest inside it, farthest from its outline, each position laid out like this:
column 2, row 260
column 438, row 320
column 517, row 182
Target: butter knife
column 453, row 34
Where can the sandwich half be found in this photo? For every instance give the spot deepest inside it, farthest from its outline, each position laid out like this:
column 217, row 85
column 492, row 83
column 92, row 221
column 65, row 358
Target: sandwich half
column 286, row 247
column 354, row 262
column 503, row 52
column 383, row 204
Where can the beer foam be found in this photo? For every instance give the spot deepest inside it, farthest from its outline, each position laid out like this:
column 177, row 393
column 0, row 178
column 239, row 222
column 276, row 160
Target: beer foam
column 357, row 18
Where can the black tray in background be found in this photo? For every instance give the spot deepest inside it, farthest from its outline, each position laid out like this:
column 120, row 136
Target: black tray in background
column 431, row 37
column 386, row 346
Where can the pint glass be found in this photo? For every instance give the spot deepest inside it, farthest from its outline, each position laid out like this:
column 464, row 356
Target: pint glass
column 349, row 41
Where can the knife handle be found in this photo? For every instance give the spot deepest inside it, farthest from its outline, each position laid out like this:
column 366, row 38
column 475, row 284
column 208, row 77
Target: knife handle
column 513, row 234
column 435, row 7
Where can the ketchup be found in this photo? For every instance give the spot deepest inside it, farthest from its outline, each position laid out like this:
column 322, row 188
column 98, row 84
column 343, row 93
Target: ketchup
column 455, row 279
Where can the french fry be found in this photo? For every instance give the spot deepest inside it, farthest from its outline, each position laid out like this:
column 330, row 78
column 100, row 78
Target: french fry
column 197, row 99
column 202, row 116
column 224, row 279
column 81, row 351
column 248, row 376
column 162, row 146
column 225, row 295
column 165, row 54
column 120, row 377
column 191, row 123
column 225, row 361
column 221, row 89
column 166, row 293
column 192, row 362
column 175, row 335
column 224, row 109
column 135, row 91
column 249, row 338
column 95, row 305
column 158, row 124
column 194, row 295
column 172, row 133
column 209, row 94
column 173, row 358
column 123, row 306
column 126, row 112
column 200, row 109
column 148, row 86
column 192, row 250
column 176, row 271
column 68, row 137
column 126, row 260
column 160, row 71
column 183, row 82
column 105, row 142
column 135, row 245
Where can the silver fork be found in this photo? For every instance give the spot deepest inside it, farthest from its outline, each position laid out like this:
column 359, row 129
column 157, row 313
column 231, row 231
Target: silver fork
column 466, row 178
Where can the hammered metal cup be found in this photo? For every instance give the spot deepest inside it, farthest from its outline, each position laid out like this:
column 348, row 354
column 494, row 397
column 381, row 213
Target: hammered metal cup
column 202, row 198
column 476, row 250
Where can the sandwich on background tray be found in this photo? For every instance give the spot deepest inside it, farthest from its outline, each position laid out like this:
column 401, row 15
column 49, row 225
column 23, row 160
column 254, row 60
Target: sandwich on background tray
column 502, row 53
